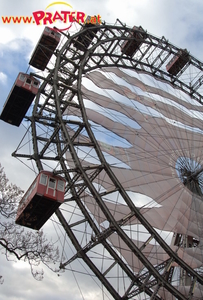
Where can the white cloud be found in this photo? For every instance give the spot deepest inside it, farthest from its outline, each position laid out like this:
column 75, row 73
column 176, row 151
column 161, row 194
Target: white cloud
column 179, row 22
column 3, row 78
column 7, row 34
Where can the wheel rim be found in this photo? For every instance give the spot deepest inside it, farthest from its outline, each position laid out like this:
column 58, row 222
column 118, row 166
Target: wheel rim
column 58, row 142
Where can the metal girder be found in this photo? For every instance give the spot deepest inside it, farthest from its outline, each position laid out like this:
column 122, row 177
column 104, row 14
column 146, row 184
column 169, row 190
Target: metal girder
column 82, row 62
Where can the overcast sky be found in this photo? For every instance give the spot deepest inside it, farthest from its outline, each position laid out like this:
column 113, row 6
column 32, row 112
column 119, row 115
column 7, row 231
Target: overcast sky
column 180, row 21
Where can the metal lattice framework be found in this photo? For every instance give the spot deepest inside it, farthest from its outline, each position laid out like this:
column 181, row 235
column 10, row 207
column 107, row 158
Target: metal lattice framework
column 53, row 137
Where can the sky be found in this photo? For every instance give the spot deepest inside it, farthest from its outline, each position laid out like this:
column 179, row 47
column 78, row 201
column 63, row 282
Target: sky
column 179, row 21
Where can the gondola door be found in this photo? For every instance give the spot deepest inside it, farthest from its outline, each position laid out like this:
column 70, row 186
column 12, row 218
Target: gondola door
column 51, row 187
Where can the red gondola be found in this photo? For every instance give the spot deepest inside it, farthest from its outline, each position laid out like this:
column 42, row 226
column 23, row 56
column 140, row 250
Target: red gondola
column 41, row 200
column 45, row 48
column 129, row 47
column 176, row 64
column 19, row 99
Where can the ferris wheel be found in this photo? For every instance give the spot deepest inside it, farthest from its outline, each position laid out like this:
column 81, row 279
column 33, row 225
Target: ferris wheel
column 119, row 116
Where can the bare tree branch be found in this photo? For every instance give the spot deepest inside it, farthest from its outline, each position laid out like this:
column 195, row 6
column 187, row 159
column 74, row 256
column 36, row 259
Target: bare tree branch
column 18, row 242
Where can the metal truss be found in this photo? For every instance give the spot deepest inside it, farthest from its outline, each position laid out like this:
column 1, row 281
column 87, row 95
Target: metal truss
column 52, row 139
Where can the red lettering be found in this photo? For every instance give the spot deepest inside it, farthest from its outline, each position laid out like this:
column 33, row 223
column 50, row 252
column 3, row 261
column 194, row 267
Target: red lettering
column 65, row 13
column 16, row 19
column 99, row 19
column 93, row 20
column 80, row 17
column 64, row 16
column 6, row 20
column 72, row 17
column 27, row 20
column 38, row 16
column 57, row 16
column 48, row 18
